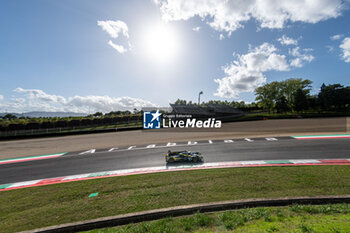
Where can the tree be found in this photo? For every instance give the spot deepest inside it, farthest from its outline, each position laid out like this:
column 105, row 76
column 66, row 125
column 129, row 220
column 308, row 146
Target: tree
column 300, row 100
column 333, row 96
column 180, row 101
column 289, row 88
column 9, row 116
column 346, row 96
column 314, row 102
column 282, row 104
column 98, row 114
column 267, row 95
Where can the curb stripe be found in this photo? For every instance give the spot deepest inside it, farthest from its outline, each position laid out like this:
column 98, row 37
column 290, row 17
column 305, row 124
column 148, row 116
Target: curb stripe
column 322, row 136
column 301, row 161
column 30, row 158
column 134, row 171
column 4, row 186
column 278, row 162
column 334, row 160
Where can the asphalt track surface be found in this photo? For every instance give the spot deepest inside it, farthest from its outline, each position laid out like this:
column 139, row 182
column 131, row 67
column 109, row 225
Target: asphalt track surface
column 137, row 157
column 273, row 128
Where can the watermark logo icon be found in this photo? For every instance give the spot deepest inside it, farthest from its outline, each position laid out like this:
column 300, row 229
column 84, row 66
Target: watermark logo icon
column 151, row 120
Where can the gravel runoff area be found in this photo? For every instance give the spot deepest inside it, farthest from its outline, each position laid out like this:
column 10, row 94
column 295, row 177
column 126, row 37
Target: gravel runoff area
column 285, row 127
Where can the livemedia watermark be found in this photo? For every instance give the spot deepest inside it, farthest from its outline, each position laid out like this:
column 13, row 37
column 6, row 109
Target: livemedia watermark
column 157, row 120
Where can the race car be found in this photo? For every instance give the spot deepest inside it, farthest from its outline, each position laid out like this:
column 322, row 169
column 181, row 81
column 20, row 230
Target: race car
column 183, row 156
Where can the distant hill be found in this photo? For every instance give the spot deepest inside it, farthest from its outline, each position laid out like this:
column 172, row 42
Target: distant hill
column 45, row 114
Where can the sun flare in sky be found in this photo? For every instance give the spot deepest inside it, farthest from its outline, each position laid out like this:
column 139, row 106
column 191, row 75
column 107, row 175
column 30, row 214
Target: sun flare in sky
column 160, row 43
column 121, row 55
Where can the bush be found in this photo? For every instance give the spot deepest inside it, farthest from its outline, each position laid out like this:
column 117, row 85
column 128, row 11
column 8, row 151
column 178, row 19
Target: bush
column 61, row 124
column 16, row 127
column 32, row 125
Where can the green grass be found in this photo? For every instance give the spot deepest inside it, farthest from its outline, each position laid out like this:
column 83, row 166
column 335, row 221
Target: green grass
column 35, row 207
column 306, row 218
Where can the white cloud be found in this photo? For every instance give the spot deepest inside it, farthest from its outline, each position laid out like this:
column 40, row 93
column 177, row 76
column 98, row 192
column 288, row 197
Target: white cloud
column 107, row 104
column 229, row 15
column 221, row 37
column 246, row 72
column 38, row 100
column 115, row 29
column 196, row 29
column 300, row 57
column 1, row 97
column 336, row 37
column 297, row 62
column 119, row 48
column 284, row 40
column 37, row 94
column 345, row 47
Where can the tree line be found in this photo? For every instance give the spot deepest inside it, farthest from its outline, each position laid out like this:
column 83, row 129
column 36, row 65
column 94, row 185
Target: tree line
column 10, row 122
column 291, row 95
column 235, row 104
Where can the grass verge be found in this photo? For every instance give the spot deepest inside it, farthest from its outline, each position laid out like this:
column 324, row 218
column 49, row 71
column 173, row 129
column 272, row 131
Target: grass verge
column 35, row 207
column 296, row 218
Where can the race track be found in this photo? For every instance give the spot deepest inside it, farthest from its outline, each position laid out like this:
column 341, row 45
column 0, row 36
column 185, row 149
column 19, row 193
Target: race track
column 245, row 149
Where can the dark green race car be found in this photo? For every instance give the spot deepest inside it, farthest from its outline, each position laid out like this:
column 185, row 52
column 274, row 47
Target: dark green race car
column 183, row 156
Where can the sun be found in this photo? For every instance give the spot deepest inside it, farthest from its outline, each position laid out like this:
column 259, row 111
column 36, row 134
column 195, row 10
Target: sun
column 160, row 43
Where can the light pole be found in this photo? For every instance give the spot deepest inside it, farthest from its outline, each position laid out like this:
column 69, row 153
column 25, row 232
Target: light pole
column 199, row 97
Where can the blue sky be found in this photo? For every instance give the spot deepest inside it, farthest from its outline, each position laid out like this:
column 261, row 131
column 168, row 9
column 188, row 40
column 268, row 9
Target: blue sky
column 74, row 55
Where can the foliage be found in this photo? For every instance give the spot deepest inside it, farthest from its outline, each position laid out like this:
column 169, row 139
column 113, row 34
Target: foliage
column 268, row 94
column 334, row 96
column 282, row 104
column 9, row 116
column 295, row 93
column 234, row 104
column 180, row 101
column 271, row 94
column 112, row 118
column 300, row 100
